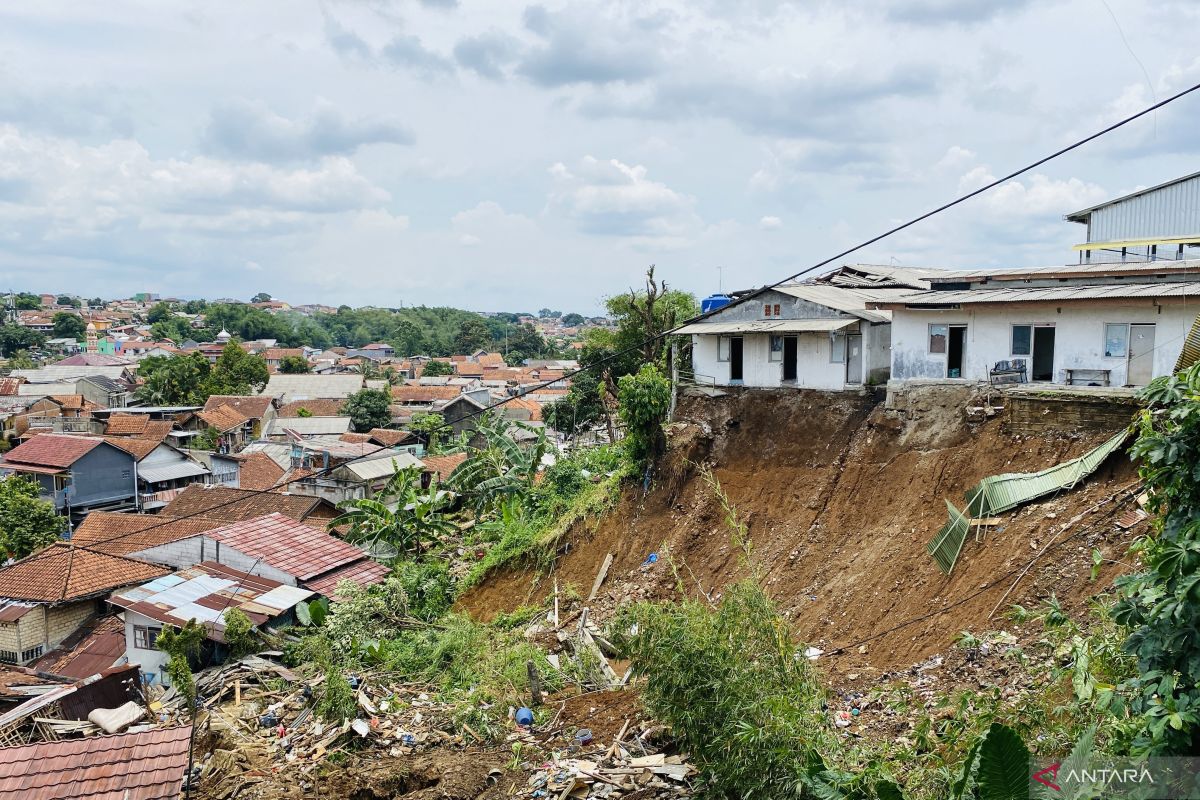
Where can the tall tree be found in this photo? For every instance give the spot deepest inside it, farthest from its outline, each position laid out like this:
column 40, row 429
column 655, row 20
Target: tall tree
column 472, row 335
column 369, row 408
column 158, row 313
column 174, row 380
column 27, row 522
column 17, row 337
column 237, row 372
column 437, row 369
column 69, row 326
column 294, row 365
column 261, row 297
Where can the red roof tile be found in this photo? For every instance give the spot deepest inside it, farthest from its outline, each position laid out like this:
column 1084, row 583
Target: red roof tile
column 120, row 534
column 249, row 406
column 63, row 572
column 232, row 505
column 127, row 424
column 52, row 450
column 223, row 418
column 258, row 471
column 364, row 573
column 314, row 407
column 409, row 393
column 295, row 548
column 442, row 466
column 147, row 765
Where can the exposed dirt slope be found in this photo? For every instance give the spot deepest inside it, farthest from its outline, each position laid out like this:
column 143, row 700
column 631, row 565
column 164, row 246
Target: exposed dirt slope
column 841, row 499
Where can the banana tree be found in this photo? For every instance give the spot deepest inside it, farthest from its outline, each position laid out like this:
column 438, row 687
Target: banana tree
column 503, row 468
column 409, row 521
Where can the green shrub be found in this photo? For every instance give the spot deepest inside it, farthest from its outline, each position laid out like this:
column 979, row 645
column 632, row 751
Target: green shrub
column 239, row 633
column 427, row 587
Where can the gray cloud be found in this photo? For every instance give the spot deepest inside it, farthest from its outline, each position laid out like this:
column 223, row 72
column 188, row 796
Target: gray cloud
column 243, row 129
column 408, row 52
column 345, row 42
column 487, row 54
column 826, row 106
column 85, row 111
column 579, row 48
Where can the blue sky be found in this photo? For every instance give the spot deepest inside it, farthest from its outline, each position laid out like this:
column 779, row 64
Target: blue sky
column 515, row 155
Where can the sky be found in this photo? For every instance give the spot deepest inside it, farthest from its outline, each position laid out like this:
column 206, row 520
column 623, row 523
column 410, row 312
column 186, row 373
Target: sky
column 513, row 155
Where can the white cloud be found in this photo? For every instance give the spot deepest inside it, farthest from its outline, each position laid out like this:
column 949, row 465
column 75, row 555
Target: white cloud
column 611, row 198
column 770, row 223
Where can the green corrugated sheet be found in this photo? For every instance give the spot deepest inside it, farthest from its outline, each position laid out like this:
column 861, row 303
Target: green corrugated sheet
column 948, row 543
column 997, row 493
column 1191, row 348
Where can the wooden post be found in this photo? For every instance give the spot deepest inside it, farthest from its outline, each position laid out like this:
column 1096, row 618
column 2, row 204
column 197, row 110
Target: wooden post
column 535, row 683
column 600, row 576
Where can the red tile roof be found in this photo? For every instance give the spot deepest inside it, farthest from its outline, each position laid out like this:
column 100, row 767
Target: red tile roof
column 147, row 765
column 52, row 450
column 442, row 466
column 233, row 505
column 92, row 360
column 258, row 471
column 295, row 548
column 136, row 446
column 251, row 407
column 223, row 418
column 315, row 408
column 532, row 406
column 364, row 573
column 409, row 393
column 491, row 360
column 63, row 572
column 468, row 370
column 389, row 438
column 280, row 353
column 120, row 534
column 10, row 387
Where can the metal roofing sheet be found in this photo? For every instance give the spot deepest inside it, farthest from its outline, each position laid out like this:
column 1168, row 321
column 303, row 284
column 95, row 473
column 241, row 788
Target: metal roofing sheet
column 300, row 550
column 1183, row 289
column 1065, row 270
column 768, row 326
column 851, row 300
column 1191, row 347
column 306, row 426
column 283, row 597
column 171, row 471
column 189, row 591
column 383, row 467
column 194, row 611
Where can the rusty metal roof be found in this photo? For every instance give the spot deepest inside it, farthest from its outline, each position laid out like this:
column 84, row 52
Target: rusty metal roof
column 148, row 765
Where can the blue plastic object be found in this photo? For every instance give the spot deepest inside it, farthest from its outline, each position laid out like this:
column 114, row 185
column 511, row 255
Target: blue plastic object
column 524, row 716
column 713, row 302
column 651, row 559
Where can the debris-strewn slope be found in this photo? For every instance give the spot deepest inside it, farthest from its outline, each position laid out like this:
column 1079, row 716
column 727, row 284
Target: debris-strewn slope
column 841, row 499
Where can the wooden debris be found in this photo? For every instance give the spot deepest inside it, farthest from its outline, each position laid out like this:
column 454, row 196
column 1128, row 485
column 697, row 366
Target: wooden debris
column 600, row 576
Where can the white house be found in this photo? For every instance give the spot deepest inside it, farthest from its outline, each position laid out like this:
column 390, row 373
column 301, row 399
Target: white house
column 1099, row 324
column 820, row 334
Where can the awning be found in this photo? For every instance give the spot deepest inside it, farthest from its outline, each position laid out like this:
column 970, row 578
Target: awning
column 770, row 326
column 168, row 472
column 1117, row 245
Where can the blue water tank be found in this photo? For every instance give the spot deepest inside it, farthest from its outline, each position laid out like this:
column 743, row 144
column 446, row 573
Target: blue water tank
column 713, row 302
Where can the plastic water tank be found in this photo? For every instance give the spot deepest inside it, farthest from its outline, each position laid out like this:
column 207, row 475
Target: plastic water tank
column 713, row 302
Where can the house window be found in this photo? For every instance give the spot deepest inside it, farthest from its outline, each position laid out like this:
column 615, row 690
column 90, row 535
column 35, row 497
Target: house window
column 144, row 637
column 31, row 653
column 723, row 348
column 937, row 338
column 767, row 310
column 1022, row 340
column 777, row 309
column 837, row 348
column 1116, row 340
column 776, row 351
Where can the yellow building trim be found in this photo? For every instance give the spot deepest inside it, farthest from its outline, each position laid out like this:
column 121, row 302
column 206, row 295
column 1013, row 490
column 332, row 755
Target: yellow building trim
column 1137, row 243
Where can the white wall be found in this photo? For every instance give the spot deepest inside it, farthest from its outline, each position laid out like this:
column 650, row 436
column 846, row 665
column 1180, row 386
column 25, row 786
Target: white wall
column 1078, row 338
column 184, row 553
column 814, row 370
column 151, row 661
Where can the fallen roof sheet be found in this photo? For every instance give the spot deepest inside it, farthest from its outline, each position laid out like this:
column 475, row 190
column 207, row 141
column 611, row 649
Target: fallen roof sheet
column 768, row 326
column 997, row 493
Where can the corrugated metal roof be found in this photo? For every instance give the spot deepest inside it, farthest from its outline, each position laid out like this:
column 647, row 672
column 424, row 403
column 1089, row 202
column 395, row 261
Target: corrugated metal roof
column 1052, row 294
column 1171, row 209
column 309, row 426
column 1081, row 216
column 382, row 467
column 171, row 471
column 1070, row 270
column 850, row 300
column 998, row 493
column 768, row 326
column 1191, row 348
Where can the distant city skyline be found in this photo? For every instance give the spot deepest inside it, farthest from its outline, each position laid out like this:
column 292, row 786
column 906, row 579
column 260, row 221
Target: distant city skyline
column 514, row 156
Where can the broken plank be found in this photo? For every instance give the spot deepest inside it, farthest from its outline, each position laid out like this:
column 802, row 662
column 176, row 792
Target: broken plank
column 600, row 576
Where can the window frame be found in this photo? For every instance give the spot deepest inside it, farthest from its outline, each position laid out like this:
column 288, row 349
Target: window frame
column 837, row 347
column 775, row 356
column 945, row 326
column 1104, row 349
column 766, row 309
column 142, row 638
column 1012, row 350
column 724, row 343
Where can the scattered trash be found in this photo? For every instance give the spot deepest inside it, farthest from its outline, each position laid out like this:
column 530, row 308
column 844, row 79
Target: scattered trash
column 651, row 559
column 813, row 653
column 524, row 717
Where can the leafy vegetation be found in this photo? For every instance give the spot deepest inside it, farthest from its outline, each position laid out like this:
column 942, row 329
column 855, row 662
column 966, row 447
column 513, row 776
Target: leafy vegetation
column 190, row 379
column 437, row 369
column 294, row 365
column 402, row 518
column 183, row 645
column 69, row 326
column 645, row 399
column 368, row 409
column 27, row 522
column 503, row 467
column 239, row 633
column 14, row 338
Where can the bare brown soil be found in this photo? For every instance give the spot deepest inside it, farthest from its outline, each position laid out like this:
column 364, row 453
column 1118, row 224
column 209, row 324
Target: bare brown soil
column 841, row 499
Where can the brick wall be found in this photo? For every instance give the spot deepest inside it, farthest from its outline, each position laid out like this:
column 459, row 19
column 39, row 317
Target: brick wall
column 66, row 619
